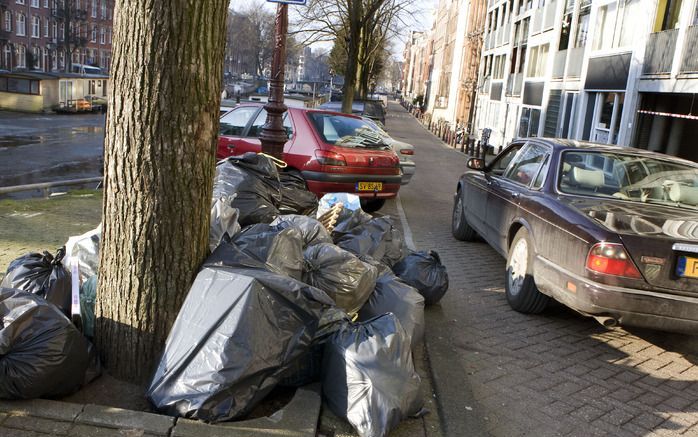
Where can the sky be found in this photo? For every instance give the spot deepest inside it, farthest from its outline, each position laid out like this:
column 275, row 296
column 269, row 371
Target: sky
column 422, row 20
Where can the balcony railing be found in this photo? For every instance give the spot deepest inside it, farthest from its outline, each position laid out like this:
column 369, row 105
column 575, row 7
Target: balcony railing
column 659, row 52
column 689, row 61
column 559, row 64
column 574, row 67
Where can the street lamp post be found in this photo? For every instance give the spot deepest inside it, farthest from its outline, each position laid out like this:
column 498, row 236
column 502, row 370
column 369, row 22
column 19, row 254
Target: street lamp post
column 273, row 135
column 331, row 79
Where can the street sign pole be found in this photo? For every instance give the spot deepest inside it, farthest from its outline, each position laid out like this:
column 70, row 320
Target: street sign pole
column 273, row 135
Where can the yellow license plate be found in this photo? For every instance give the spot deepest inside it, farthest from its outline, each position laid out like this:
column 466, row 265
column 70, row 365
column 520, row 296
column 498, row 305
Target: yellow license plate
column 687, row 267
column 369, row 186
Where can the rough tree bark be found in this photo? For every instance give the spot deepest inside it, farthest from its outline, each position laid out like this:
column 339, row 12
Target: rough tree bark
column 159, row 165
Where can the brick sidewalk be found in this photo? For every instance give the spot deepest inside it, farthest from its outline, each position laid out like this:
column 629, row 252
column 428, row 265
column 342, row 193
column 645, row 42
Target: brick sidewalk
column 557, row 373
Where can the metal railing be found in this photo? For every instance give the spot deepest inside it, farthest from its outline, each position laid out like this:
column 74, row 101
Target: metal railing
column 574, row 67
column 45, row 186
column 689, row 61
column 659, row 52
column 559, row 64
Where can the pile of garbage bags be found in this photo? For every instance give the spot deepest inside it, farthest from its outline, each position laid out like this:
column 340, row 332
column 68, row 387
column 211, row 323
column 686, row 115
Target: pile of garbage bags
column 281, row 300
column 286, row 302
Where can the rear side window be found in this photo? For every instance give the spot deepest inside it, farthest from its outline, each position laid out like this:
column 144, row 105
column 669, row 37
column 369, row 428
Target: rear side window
column 256, row 128
column 234, row 122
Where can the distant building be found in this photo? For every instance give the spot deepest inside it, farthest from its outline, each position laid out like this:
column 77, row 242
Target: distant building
column 33, row 38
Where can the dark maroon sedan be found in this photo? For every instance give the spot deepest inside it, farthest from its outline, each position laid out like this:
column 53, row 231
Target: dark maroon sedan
column 610, row 232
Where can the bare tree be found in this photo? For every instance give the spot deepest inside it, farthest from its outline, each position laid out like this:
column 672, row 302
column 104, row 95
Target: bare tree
column 159, row 166
column 363, row 27
column 71, row 17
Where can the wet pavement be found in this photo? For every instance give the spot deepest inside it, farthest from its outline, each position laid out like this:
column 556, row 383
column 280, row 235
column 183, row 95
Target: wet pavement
column 48, row 147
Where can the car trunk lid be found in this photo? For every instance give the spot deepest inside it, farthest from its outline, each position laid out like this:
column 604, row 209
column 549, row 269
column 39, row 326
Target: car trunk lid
column 659, row 239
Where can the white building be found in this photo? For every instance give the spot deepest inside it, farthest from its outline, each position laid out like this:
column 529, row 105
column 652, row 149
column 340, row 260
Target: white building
column 619, row 72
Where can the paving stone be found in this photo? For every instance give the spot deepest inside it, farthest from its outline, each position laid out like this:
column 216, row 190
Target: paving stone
column 99, row 415
column 38, row 424
column 82, row 430
column 64, row 411
column 12, row 432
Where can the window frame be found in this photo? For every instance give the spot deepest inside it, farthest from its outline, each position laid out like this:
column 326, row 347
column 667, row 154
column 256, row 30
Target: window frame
column 546, row 159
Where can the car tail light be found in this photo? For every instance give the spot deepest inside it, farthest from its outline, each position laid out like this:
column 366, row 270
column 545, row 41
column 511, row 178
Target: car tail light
column 325, row 157
column 611, row 259
column 406, row 151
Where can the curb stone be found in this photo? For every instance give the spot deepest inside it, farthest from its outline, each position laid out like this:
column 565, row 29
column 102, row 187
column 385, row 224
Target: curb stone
column 41, row 417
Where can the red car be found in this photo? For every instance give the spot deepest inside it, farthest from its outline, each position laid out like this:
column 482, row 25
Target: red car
column 334, row 152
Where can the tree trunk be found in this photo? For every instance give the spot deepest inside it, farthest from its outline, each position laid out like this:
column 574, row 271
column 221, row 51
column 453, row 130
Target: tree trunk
column 159, row 166
column 355, row 14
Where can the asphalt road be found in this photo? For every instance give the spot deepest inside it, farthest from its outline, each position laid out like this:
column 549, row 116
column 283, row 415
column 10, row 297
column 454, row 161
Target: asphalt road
column 501, row 373
column 49, row 147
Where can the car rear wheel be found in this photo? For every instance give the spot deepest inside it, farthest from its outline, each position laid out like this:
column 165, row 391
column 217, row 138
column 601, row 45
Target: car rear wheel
column 521, row 291
column 372, row 205
column 459, row 225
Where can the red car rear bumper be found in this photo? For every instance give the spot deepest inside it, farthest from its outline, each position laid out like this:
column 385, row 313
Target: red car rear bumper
column 323, row 183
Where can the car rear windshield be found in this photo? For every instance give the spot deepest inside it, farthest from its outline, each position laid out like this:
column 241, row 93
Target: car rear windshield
column 629, row 177
column 346, row 131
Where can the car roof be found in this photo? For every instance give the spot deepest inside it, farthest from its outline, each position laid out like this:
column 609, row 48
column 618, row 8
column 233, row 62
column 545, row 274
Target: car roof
column 562, row 144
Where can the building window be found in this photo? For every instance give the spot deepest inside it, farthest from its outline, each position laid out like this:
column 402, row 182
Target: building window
column 46, row 27
column 538, row 60
column 8, row 21
column 667, row 15
column 36, row 52
column 94, row 8
column 528, row 124
column 36, row 27
column 93, row 57
column 54, row 30
column 616, row 24
column 21, row 86
column 580, row 39
column 8, row 57
column 94, row 34
column 20, row 2
column 104, row 9
column 102, row 35
column 46, row 4
column 21, row 57
column 21, row 25
column 108, row 35
column 35, row 4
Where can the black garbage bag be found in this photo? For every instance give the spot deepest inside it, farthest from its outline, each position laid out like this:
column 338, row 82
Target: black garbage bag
column 295, row 197
column 279, row 249
column 347, row 221
column 345, row 278
column 41, row 353
column 377, row 238
column 394, row 296
column 43, row 275
column 369, row 377
column 254, row 179
column 224, row 222
column 234, row 339
column 313, row 231
column 424, row 271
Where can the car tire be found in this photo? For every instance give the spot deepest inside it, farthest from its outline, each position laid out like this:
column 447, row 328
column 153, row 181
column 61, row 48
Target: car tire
column 460, row 228
column 372, row 205
column 521, row 291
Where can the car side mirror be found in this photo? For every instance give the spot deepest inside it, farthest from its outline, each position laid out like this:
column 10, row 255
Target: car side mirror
column 476, row 164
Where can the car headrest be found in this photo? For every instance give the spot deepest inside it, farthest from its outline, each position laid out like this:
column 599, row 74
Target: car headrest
column 588, row 178
column 683, row 194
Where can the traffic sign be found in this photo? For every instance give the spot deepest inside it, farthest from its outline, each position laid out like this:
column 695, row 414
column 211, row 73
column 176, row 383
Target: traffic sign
column 289, row 2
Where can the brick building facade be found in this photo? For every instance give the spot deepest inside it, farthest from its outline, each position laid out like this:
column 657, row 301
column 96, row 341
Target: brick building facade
column 38, row 35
